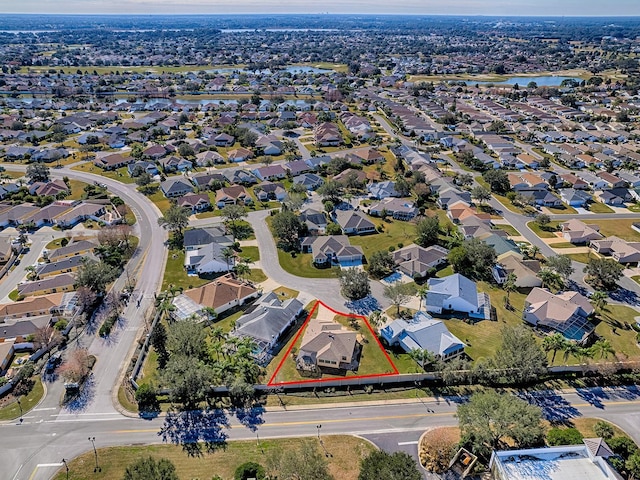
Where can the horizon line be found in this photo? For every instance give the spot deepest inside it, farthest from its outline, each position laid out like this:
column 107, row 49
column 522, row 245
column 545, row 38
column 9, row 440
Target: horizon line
column 244, row 14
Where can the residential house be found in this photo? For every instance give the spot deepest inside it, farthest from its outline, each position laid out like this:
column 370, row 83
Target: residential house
column 574, row 198
column 332, row 250
column 354, row 222
column 6, row 355
column 576, row 231
column 573, row 181
column 380, row 190
column 175, row 164
column 52, row 188
column 398, row 208
column 456, row 293
column 267, row 322
column 270, row 172
column 368, row 155
column 567, row 313
column 56, row 284
column 233, row 195
column 224, row 140
column 194, row 238
column 81, row 247
column 612, row 180
column 449, row 196
column 327, row 134
column 297, row 167
column 136, row 168
column 615, row 196
column 267, row 190
column 423, row 332
column 208, row 158
column 196, row 202
column 210, row 258
column 112, row 161
column 7, row 248
column 594, row 181
column 222, row 294
column 240, row 176
column 544, row 198
column 526, row 271
column 64, row 265
column 36, row 306
column 155, row 152
column 269, row 145
column 176, row 187
column 417, row 262
column 327, row 346
column 206, row 180
column 84, row 211
column 316, row 221
column 310, row 181
column 351, row 174
column 239, row 154
column 620, row 250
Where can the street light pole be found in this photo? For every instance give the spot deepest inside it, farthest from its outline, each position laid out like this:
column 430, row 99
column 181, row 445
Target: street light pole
column 20, row 407
column 95, row 452
column 318, row 427
column 66, row 467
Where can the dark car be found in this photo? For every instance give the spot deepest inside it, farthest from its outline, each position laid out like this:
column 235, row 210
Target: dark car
column 52, row 363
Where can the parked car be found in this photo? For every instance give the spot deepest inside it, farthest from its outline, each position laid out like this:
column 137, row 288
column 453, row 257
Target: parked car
column 52, row 363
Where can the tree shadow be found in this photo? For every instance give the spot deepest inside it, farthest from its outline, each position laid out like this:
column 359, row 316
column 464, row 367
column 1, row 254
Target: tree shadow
column 623, row 295
column 555, row 408
column 196, row 431
column 593, row 396
column 364, row 306
column 250, row 417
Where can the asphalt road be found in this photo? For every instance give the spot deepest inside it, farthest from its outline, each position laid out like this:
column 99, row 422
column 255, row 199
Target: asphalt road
column 36, row 446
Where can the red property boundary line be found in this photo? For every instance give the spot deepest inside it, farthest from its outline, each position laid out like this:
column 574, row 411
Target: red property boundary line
column 272, row 382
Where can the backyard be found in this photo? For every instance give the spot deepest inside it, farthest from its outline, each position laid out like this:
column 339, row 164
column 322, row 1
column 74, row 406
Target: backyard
column 300, row 264
column 176, row 275
column 119, row 174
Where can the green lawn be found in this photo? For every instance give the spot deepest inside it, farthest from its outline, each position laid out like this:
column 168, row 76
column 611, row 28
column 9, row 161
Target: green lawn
column 162, row 202
column 619, row 228
column 250, row 252
column 257, row 276
column 300, row 264
column 548, row 233
column 445, row 272
column 582, row 257
column 344, row 461
column 395, row 232
column 483, row 338
column 563, row 210
column 286, row 293
column 372, row 359
column 598, row 207
column 622, row 340
column 77, row 189
column 562, row 245
column 11, row 410
column 176, row 275
column 509, row 229
column 120, row 174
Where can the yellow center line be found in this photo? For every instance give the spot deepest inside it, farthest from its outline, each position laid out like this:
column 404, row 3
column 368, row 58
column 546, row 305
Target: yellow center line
column 315, row 422
column 369, row 419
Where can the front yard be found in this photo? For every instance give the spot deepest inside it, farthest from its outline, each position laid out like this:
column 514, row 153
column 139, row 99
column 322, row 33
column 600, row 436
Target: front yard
column 120, row 174
column 300, row 264
column 175, row 275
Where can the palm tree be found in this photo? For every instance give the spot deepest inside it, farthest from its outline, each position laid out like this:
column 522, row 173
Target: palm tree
column 509, row 286
column 534, row 250
column 554, row 343
column 599, row 300
column 602, row 348
column 421, row 356
column 228, row 254
column 549, row 278
column 242, row 270
column 421, row 292
column 571, row 348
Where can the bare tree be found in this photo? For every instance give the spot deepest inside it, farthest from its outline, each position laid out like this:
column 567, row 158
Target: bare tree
column 47, row 337
column 76, row 367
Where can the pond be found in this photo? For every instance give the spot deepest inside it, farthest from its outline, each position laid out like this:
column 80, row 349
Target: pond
column 293, row 69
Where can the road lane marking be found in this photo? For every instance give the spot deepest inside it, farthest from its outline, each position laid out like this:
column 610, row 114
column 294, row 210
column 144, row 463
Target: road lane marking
column 314, row 422
column 415, row 442
column 43, row 409
column 42, row 465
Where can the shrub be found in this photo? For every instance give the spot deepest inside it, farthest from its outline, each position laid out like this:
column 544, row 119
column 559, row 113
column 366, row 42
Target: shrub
column 249, row 470
column 564, row 436
column 604, row 430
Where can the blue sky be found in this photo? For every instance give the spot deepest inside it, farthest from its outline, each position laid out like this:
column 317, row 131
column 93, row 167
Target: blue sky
column 424, row 7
